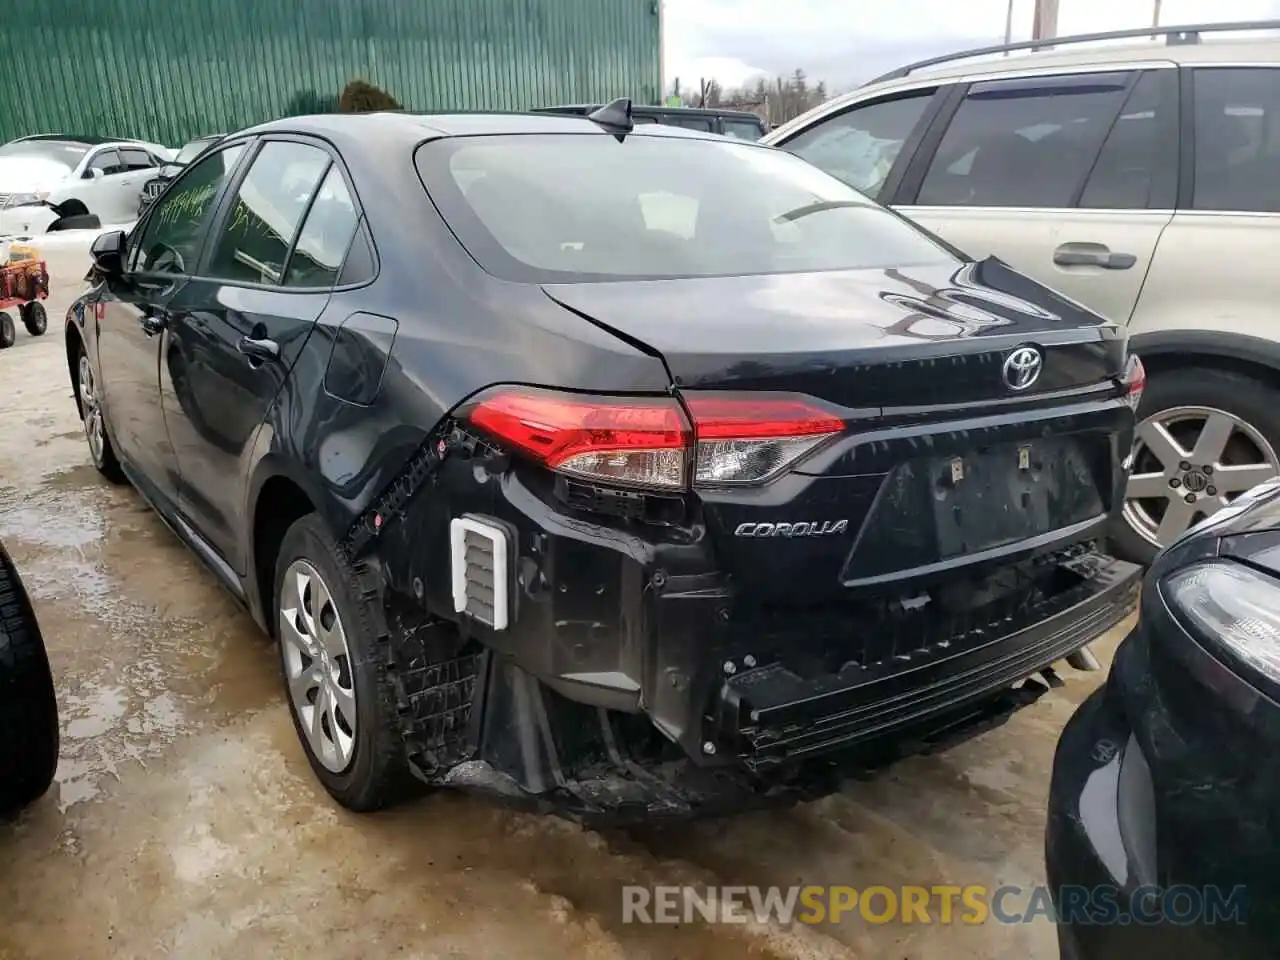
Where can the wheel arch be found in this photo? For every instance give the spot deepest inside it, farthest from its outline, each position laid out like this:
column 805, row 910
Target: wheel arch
column 74, row 342
column 279, row 500
column 1254, row 357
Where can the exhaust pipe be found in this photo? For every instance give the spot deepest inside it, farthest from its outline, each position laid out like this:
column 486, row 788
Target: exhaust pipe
column 1083, row 659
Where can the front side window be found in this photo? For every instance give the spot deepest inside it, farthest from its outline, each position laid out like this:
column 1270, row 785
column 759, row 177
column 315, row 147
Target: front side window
column 108, row 162
column 1237, row 138
column 171, row 236
column 586, row 207
column 860, row 145
column 1024, row 143
column 268, row 208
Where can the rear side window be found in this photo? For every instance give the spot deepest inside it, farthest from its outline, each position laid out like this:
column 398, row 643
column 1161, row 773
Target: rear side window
column 1138, row 166
column 860, row 145
column 1237, row 139
column 742, row 129
column 584, row 206
column 325, row 236
column 135, row 159
column 1020, row 143
column 268, row 208
column 689, row 123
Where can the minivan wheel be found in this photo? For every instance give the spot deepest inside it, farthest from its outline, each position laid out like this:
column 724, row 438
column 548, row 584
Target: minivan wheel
column 1204, row 437
column 336, row 676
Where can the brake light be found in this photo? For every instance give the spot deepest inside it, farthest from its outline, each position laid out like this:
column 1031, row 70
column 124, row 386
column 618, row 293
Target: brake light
column 750, row 440
column 644, row 442
column 649, row 442
column 1134, row 381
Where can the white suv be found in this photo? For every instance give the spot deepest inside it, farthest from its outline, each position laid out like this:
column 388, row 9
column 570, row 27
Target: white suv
column 1140, row 179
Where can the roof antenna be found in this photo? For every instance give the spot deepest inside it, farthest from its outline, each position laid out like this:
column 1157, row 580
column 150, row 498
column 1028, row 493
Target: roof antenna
column 615, row 118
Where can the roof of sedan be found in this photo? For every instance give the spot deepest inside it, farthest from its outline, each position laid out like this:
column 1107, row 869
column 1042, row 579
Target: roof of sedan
column 402, row 125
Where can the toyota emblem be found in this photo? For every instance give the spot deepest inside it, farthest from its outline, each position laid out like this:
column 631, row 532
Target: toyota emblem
column 1022, row 368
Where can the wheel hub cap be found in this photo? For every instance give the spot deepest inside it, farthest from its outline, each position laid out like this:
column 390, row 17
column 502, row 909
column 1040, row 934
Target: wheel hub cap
column 317, row 663
column 1188, row 463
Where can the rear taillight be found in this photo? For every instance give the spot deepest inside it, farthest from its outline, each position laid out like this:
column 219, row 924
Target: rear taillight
column 750, row 440
column 1134, row 382
column 642, row 442
column 649, row 442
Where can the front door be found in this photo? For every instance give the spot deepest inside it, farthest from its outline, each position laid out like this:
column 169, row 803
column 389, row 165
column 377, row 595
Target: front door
column 1071, row 180
column 239, row 327
column 132, row 315
column 130, row 336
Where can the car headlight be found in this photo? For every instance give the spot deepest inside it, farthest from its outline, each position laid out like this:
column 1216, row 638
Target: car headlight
column 26, row 199
column 1233, row 606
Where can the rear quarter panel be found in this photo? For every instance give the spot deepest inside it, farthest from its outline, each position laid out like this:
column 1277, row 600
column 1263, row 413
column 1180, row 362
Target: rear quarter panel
column 1214, row 272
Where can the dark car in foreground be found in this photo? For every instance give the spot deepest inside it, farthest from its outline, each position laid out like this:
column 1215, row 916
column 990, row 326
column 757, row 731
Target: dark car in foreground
column 621, row 468
column 1163, row 838
column 28, row 708
column 155, row 186
column 742, row 124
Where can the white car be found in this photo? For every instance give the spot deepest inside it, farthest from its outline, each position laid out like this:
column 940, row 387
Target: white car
column 104, row 175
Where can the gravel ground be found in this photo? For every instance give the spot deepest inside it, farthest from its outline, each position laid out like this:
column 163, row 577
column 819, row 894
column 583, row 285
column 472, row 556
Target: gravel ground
column 185, row 822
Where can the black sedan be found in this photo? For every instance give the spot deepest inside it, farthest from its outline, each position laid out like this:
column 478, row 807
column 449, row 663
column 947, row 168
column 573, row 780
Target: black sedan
column 1163, row 836
column 621, row 468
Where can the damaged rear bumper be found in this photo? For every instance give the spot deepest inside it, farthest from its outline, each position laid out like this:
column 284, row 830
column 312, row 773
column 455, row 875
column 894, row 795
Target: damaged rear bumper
column 632, row 681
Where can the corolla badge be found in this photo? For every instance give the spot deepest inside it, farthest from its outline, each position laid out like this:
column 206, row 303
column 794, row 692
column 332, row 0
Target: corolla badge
column 816, row 528
column 1022, row 368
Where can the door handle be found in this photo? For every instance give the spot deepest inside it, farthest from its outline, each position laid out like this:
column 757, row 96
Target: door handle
column 152, row 324
column 259, row 350
column 1092, row 255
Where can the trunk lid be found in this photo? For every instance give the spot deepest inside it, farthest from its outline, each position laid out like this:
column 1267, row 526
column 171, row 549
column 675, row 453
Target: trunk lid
column 941, row 467
column 909, row 337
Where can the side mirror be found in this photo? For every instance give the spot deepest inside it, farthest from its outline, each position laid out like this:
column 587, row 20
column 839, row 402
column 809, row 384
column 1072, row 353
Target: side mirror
column 97, row 173
column 107, row 251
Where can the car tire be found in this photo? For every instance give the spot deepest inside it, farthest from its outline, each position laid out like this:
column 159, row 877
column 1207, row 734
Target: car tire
column 28, row 706
column 94, row 420
column 34, row 318
column 8, row 332
column 1182, row 401
column 335, row 665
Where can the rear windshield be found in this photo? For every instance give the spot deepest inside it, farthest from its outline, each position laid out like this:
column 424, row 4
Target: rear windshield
column 570, row 207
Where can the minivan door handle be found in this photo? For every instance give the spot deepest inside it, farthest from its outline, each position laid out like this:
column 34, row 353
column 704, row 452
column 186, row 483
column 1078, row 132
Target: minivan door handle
column 1092, row 255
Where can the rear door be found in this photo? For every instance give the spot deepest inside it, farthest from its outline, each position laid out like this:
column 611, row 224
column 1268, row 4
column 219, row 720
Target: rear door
column 240, row 324
column 1070, row 179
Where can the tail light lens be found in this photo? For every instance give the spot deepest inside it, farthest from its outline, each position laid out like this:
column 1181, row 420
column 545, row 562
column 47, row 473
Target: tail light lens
column 748, row 440
column 649, row 442
column 643, row 442
column 1134, row 381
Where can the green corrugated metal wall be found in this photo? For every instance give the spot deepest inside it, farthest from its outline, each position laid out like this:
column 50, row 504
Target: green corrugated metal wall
column 167, row 70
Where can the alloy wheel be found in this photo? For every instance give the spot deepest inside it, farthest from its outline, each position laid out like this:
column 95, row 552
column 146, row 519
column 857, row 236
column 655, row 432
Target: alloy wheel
column 1188, row 463
column 317, row 665
column 91, row 410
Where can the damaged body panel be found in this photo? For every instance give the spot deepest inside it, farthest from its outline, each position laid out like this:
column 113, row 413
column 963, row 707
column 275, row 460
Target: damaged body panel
column 632, row 530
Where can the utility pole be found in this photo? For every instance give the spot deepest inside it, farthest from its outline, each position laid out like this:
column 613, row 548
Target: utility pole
column 1044, row 26
column 1008, row 25
column 1155, row 13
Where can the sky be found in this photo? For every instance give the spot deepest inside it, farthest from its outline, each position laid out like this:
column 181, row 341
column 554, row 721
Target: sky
column 848, row 41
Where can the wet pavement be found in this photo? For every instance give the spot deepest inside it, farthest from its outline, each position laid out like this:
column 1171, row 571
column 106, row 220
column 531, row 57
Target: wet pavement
column 185, row 822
